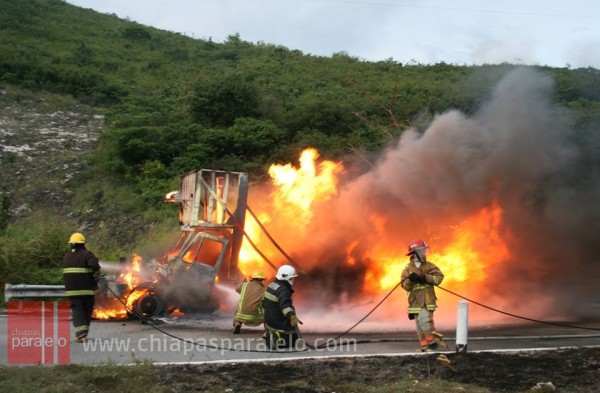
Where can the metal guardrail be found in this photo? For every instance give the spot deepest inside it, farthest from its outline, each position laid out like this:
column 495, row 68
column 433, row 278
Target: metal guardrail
column 34, row 292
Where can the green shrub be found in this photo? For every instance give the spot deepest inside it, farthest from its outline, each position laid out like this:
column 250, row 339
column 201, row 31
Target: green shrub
column 32, row 248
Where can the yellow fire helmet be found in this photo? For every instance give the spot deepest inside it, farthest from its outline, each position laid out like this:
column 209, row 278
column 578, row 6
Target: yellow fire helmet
column 77, row 238
column 258, row 275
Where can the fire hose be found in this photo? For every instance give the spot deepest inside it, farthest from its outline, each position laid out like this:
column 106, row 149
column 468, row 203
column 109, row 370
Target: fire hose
column 360, row 321
column 517, row 316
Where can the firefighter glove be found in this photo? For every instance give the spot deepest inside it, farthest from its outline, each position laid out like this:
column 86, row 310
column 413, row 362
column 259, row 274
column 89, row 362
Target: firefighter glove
column 414, row 277
column 295, row 321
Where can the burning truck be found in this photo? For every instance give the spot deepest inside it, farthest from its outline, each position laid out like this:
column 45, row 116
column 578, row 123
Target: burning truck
column 212, row 209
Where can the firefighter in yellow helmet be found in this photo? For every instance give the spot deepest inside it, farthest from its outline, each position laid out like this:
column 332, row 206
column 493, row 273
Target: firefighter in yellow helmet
column 80, row 272
column 419, row 278
column 249, row 310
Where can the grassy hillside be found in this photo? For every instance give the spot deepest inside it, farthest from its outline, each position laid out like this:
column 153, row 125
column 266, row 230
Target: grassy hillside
column 52, row 45
column 170, row 103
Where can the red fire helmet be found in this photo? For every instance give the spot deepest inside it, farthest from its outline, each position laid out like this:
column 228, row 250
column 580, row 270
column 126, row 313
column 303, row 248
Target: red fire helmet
column 416, row 244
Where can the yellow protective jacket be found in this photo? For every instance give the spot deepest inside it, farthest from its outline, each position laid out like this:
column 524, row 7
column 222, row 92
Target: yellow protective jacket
column 421, row 295
column 249, row 310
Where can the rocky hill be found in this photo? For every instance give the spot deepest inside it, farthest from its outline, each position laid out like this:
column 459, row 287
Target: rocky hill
column 41, row 149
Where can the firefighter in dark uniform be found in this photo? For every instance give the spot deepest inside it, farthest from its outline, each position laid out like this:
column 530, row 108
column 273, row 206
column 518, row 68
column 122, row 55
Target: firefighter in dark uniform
column 281, row 321
column 80, row 272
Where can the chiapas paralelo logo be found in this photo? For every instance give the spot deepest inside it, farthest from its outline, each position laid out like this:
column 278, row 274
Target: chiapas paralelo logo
column 38, row 332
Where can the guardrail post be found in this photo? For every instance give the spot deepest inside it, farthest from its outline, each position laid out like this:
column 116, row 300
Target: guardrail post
column 462, row 326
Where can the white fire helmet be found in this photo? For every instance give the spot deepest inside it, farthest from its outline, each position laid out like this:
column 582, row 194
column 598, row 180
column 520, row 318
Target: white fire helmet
column 286, row 272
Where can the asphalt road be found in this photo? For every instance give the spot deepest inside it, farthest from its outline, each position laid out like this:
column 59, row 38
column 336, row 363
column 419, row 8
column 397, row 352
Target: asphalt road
column 209, row 339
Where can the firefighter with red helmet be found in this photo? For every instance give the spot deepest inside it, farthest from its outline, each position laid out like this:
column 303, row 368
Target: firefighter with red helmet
column 249, row 310
column 80, row 276
column 419, row 278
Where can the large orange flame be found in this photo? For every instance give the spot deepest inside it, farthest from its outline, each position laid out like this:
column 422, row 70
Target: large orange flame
column 297, row 189
column 464, row 251
column 471, row 248
column 476, row 245
column 292, row 200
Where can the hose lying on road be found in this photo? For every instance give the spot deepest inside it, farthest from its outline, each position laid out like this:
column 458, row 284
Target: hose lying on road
column 518, row 316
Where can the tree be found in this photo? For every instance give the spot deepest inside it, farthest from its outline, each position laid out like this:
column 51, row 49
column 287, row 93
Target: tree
column 219, row 101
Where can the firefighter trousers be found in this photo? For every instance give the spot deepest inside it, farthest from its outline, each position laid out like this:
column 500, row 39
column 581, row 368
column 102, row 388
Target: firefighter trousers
column 82, row 308
column 277, row 339
column 425, row 326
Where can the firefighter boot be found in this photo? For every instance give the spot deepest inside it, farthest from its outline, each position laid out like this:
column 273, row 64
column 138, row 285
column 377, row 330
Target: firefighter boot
column 269, row 340
column 444, row 361
column 236, row 328
column 439, row 339
column 422, row 348
column 430, row 343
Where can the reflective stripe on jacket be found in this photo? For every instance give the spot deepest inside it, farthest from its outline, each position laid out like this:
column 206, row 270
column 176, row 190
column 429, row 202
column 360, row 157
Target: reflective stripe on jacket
column 421, row 295
column 249, row 310
column 278, row 307
column 79, row 267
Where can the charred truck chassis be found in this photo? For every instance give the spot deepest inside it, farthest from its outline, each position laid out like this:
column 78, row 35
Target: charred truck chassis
column 211, row 214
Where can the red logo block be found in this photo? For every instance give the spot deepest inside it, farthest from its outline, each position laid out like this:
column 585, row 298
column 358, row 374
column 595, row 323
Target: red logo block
column 38, row 332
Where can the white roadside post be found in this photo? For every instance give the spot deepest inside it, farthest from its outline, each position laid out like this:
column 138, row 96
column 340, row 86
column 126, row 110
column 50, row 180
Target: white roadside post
column 462, row 326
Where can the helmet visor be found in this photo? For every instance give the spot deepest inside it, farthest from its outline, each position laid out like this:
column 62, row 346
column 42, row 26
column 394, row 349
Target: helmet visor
column 420, row 253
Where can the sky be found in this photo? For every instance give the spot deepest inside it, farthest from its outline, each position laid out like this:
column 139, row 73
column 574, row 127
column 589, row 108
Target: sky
column 555, row 33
